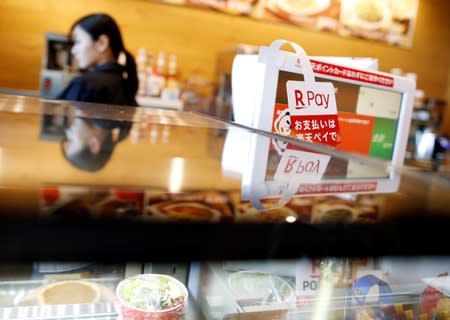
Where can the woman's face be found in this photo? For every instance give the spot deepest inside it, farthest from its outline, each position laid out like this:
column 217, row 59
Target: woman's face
column 84, row 50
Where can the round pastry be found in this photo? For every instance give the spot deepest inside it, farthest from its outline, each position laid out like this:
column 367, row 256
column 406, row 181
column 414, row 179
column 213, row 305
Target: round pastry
column 184, row 211
column 247, row 213
column 69, row 292
column 367, row 14
column 332, row 211
column 303, row 7
column 369, row 11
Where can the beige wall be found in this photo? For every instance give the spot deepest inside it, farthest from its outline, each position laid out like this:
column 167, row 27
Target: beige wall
column 196, row 36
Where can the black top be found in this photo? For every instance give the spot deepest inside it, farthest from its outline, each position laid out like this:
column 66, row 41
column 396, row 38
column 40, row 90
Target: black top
column 103, row 84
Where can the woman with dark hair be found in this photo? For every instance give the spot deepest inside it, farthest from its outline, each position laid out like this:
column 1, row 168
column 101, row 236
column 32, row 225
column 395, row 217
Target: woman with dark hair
column 99, row 50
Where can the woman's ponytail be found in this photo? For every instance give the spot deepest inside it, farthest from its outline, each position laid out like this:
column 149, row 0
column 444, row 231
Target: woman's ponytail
column 131, row 79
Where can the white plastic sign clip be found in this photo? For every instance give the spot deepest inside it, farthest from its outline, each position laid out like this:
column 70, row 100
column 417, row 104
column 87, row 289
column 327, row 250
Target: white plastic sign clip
column 308, row 101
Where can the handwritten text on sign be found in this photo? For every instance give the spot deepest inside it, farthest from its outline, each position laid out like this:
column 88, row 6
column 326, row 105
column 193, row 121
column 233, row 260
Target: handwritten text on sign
column 313, row 112
column 302, row 166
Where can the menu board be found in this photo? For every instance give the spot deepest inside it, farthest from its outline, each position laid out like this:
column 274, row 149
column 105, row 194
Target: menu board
column 388, row 21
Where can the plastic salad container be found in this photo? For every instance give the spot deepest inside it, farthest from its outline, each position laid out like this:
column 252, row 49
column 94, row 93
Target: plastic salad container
column 151, row 297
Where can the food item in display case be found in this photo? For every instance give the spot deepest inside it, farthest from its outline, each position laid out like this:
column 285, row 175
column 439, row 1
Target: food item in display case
column 151, row 296
column 298, row 208
column 67, row 292
column 369, row 11
column 391, row 21
column 433, row 298
column 369, row 208
column 320, row 209
column 208, row 206
column 335, row 272
column 303, row 7
column 333, row 209
column 186, row 211
column 84, row 201
column 317, row 14
column 253, row 289
column 443, row 309
column 398, row 311
column 245, row 212
column 366, row 14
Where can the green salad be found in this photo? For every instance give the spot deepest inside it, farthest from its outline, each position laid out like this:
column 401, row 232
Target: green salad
column 151, row 294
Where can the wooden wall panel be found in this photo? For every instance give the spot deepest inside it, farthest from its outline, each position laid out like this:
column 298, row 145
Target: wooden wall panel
column 197, row 35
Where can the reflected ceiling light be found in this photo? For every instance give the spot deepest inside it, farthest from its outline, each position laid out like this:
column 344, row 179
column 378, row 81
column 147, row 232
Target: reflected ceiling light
column 426, row 144
column 153, row 134
column 322, row 305
column 18, row 107
column 176, row 174
column 165, row 134
column 291, row 219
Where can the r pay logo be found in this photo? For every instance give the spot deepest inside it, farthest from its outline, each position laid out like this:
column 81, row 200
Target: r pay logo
column 311, row 98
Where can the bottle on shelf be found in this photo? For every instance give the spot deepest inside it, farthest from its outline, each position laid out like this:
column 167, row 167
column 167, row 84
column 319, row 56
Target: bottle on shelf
column 172, row 81
column 141, row 66
column 157, row 79
column 172, row 89
column 149, row 73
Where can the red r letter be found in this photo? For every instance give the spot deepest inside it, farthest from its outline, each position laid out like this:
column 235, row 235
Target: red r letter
column 298, row 98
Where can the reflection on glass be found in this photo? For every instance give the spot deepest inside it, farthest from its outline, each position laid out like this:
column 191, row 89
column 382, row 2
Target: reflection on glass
column 90, row 143
column 176, row 174
column 88, row 133
column 280, row 170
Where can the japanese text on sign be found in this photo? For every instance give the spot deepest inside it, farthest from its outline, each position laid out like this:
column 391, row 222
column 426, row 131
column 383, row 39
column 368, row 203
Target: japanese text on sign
column 337, row 187
column 349, row 73
column 319, row 129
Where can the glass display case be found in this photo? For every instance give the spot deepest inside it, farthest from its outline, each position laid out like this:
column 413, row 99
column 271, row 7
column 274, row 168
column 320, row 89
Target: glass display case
column 125, row 191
